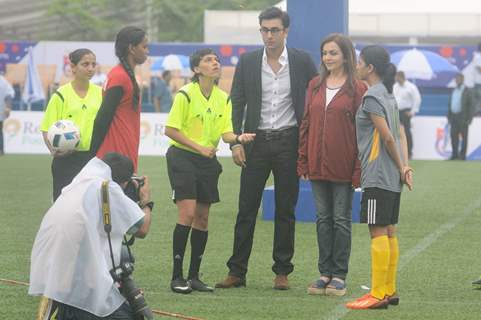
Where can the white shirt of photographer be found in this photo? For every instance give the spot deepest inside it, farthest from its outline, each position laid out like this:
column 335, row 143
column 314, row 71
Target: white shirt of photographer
column 70, row 259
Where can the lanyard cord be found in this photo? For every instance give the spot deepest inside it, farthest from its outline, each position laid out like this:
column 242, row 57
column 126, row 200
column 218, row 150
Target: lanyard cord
column 106, row 216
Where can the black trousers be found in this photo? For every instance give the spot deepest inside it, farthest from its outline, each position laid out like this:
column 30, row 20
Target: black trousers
column 459, row 127
column 277, row 153
column 405, row 120
column 64, row 169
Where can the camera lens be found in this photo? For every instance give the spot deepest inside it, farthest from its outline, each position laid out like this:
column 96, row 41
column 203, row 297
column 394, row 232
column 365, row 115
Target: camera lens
column 135, row 297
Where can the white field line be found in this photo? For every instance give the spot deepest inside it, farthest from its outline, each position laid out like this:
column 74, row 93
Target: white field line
column 340, row 311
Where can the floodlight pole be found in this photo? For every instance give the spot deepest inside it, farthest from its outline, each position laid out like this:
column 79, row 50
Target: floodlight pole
column 313, row 20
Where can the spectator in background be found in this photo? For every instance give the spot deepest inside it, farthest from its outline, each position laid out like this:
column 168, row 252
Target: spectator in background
column 461, row 110
column 99, row 77
column 408, row 100
column 477, row 79
column 161, row 94
column 6, row 95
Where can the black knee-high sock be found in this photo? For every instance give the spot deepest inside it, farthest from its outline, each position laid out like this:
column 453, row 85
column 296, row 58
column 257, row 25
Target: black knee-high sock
column 181, row 234
column 198, row 241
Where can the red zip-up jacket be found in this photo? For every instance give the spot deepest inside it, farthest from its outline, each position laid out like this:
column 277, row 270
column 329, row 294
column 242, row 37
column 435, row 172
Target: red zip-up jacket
column 327, row 138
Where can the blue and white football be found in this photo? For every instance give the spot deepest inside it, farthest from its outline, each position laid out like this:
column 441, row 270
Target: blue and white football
column 64, row 135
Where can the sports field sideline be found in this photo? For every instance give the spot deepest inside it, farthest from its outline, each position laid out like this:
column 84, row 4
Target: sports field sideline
column 439, row 235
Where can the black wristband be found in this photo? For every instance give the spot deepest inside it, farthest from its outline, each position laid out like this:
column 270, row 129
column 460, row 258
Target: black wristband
column 237, row 139
column 149, row 204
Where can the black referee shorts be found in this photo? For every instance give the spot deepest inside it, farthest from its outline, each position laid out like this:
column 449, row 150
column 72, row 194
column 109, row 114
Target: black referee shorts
column 193, row 176
column 64, row 169
column 380, row 207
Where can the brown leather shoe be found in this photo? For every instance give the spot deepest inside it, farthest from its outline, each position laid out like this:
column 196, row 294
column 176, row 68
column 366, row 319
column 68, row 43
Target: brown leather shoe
column 231, row 282
column 281, row 282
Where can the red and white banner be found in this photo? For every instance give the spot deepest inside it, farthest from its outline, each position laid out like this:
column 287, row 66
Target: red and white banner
column 430, row 135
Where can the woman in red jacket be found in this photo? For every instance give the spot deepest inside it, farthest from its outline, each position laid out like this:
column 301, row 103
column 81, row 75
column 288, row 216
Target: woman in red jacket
column 328, row 158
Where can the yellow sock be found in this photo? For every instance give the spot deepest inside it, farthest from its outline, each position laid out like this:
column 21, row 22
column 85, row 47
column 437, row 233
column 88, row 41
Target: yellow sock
column 392, row 271
column 379, row 266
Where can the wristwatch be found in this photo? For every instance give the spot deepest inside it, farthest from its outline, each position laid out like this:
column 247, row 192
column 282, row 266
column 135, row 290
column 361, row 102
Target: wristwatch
column 149, row 204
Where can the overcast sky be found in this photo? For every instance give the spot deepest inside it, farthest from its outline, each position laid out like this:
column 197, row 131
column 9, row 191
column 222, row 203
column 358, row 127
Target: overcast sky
column 414, row 6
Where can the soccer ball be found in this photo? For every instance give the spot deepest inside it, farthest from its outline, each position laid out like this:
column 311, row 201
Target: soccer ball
column 64, row 135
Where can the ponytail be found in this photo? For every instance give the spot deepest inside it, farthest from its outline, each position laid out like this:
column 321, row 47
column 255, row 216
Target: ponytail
column 130, row 72
column 389, row 77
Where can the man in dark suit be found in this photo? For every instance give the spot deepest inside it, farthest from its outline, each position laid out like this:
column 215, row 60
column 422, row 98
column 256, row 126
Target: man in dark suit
column 268, row 94
column 461, row 110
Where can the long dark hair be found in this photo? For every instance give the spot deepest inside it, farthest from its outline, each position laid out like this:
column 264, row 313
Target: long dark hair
column 194, row 61
column 77, row 55
column 129, row 36
column 349, row 55
column 380, row 59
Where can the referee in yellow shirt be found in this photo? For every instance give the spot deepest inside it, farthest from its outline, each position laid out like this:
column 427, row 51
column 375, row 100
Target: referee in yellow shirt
column 200, row 116
column 78, row 101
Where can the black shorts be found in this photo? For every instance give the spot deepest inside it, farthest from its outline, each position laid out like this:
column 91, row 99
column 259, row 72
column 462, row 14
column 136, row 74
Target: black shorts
column 193, row 176
column 380, row 207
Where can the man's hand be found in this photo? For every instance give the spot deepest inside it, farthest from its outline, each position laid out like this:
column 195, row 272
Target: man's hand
column 144, row 191
column 208, row 152
column 246, row 137
column 238, row 155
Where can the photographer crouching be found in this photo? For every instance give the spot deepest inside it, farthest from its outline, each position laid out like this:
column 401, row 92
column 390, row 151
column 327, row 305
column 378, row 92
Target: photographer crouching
column 76, row 257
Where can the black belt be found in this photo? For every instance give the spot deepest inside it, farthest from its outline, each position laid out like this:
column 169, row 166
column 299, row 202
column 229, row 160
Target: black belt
column 275, row 134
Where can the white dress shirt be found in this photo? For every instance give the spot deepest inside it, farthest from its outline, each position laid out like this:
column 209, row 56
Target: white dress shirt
column 277, row 111
column 407, row 96
column 477, row 65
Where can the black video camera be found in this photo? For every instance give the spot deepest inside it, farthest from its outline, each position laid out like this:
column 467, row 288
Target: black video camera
column 133, row 188
column 122, row 275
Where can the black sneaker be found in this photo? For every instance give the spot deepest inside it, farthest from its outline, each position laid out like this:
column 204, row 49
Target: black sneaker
column 197, row 285
column 180, row 285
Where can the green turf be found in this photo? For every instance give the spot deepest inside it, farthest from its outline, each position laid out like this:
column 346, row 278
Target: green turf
column 438, row 231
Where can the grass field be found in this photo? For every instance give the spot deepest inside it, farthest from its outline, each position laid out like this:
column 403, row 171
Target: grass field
column 439, row 242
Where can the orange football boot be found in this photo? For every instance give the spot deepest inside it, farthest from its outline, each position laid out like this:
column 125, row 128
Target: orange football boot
column 368, row 302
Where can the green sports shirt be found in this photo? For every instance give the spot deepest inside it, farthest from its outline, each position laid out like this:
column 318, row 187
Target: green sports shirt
column 202, row 120
column 65, row 104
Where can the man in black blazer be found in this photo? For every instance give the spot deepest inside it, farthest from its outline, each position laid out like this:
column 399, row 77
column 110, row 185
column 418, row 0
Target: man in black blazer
column 461, row 110
column 268, row 94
